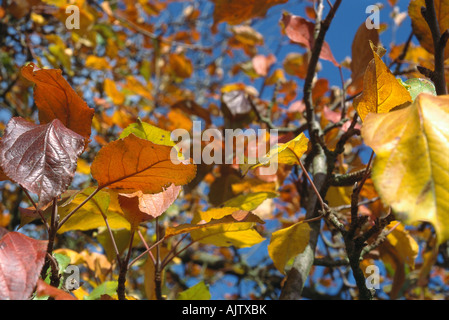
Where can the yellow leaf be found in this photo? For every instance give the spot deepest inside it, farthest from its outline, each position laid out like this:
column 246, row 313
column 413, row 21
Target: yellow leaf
column 111, row 90
column 90, row 215
column 338, row 196
column 287, row 153
column 82, row 166
column 381, row 90
column 222, row 227
column 411, row 170
column 407, row 248
column 287, row 243
column 249, row 201
column 97, row 63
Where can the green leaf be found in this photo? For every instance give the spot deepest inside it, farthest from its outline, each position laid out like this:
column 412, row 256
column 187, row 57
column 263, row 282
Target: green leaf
column 148, row 132
column 107, row 287
column 62, row 260
column 417, row 86
column 200, row 291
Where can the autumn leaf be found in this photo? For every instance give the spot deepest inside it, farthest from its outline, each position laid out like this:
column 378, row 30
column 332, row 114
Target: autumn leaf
column 180, row 65
column 287, row 243
column 296, row 64
column 97, row 63
column 301, row 31
column 200, row 291
column 421, row 28
column 411, row 171
column 55, row 99
column 148, row 132
column 91, row 214
column 111, row 90
column 249, row 201
column 416, row 86
column 399, row 250
column 286, row 153
column 44, row 289
column 41, row 158
column 236, row 12
column 21, row 261
column 361, row 51
column 139, row 207
column 222, row 227
column 262, row 64
column 381, row 90
column 131, row 164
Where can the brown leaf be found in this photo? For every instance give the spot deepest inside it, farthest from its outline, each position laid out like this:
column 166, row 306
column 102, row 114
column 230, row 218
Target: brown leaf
column 41, row 158
column 55, row 99
column 361, row 50
column 236, row 12
column 21, row 261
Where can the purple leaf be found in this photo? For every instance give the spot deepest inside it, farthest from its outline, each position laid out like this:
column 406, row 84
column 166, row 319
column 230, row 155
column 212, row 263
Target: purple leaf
column 41, row 158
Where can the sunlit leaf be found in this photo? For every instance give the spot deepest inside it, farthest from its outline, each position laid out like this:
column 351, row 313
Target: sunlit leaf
column 55, row 99
column 287, row 243
column 381, row 90
column 200, row 291
column 222, row 227
column 301, row 31
column 90, row 215
column 411, row 171
column 131, row 164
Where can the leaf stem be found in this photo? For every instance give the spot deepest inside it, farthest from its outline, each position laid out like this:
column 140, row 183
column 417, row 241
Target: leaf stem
column 78, row 207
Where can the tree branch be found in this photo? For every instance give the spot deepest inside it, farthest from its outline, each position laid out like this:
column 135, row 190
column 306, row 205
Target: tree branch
column 303, row 262
column 439, row 44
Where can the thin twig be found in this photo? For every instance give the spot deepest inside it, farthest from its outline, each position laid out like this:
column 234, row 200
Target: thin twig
column 78, row 207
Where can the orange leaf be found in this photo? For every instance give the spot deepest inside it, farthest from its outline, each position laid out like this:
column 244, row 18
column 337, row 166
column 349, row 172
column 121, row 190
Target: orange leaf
column 132, row 164
column 56, row 99
column 44, row 289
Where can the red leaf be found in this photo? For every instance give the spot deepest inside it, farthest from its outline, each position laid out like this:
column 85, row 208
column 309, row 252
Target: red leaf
column 300, row 30
column 41, row 158
column 44, row 289
column 21, row 260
